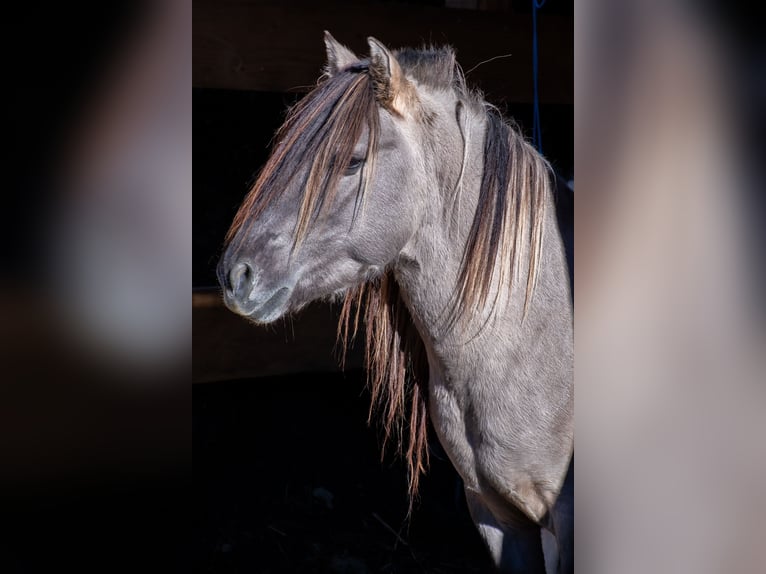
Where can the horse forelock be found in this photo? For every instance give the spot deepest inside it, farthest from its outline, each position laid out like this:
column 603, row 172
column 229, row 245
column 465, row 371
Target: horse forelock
column 315, row 143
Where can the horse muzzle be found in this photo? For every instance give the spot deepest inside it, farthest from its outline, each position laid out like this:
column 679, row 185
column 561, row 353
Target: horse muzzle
column 245, row 293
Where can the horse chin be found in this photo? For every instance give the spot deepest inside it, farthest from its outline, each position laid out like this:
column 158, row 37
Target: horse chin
column 274, row 308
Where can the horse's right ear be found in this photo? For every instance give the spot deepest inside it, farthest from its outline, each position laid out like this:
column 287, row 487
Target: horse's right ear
column 338, row 56
column 392, row 89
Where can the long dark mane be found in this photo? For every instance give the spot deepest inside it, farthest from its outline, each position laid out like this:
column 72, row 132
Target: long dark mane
column 316, row 143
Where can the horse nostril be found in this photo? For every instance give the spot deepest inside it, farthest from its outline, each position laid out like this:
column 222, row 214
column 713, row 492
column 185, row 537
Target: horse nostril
column 241, row 279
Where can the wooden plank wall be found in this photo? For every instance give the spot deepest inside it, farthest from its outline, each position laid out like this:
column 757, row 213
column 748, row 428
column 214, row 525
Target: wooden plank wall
column 226, row 346
column 277, row 46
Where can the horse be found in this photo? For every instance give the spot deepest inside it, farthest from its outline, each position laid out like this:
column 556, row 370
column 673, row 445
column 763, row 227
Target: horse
column 395, row 189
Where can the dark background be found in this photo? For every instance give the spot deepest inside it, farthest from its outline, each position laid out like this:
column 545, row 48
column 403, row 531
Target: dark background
column 288, row 478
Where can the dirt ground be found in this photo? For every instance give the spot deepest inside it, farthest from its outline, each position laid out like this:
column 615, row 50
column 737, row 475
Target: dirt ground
column 288, row 478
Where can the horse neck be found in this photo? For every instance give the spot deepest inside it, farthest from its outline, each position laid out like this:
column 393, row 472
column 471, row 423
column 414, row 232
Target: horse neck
column 429, row 266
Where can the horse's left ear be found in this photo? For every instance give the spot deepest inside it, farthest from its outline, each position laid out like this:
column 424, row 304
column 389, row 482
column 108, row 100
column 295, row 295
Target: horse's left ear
column 392, row 89
column 338, row 56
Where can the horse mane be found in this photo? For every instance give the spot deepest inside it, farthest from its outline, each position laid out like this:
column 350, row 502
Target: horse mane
column 509, row 217
column 321, row 131
column 397, row 369
column 515, row 181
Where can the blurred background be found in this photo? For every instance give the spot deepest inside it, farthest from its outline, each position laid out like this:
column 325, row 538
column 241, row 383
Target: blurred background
column 95, row 443
column 95, row 436
column 669, row 220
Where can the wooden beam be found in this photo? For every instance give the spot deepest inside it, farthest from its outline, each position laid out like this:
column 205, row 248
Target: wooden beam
column 277, row 46
column 226, row 346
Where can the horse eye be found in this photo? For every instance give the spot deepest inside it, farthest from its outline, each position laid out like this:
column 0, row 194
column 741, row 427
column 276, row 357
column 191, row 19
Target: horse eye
column 354, row 165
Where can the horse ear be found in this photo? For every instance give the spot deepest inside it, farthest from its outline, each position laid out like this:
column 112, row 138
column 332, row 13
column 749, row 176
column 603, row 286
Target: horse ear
column 391, row 87
column 338, row 56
